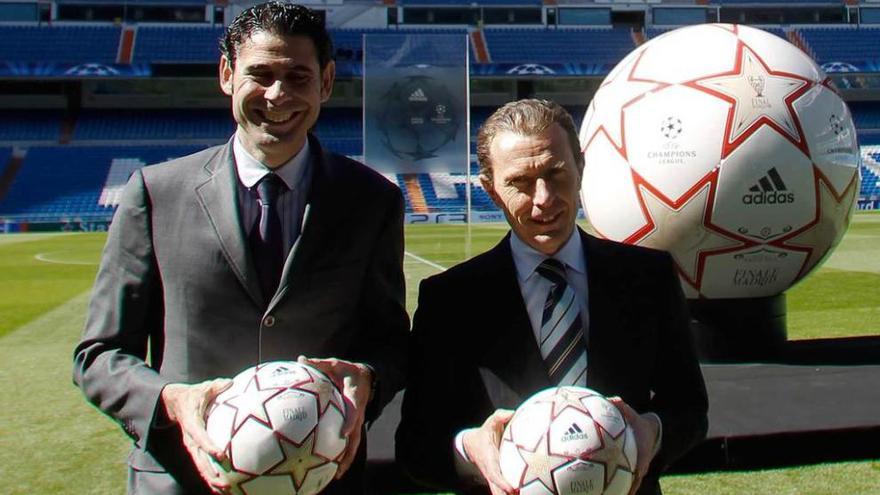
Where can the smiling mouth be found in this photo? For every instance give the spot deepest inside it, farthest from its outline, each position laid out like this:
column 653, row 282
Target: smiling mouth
column 276, row 116
column 547, row 221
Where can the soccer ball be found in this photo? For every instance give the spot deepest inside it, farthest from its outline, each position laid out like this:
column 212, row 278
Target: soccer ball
column 728, row 147
column 568, row 440
column 418, row 118
column 280, row 424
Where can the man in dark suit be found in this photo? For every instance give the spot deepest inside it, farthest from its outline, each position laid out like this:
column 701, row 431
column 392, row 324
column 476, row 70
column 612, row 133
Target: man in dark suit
column 549, row 305
column 262, row 249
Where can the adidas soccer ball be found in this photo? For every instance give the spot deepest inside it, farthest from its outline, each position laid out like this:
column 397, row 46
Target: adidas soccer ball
column 728, row 147
column 568, row 440
column 280, row 424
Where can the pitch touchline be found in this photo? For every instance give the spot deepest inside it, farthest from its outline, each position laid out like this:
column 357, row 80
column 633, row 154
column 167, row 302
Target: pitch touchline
column 44, row 257
column 427, row 262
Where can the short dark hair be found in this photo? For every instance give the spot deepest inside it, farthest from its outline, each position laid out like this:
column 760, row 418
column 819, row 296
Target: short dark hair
column 284, row 19
column 527, row 117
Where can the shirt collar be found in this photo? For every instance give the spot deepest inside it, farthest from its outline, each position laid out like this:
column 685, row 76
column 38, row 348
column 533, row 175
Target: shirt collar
column 250, row 170
column 527, row 258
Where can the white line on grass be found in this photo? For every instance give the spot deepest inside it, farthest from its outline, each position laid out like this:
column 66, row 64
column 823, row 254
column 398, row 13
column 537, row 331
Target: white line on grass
column 46, row 258
column 427, row 262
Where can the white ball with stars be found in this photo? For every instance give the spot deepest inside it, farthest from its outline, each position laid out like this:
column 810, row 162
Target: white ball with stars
column 568, row 440
column 728, row 147
column 280, row 424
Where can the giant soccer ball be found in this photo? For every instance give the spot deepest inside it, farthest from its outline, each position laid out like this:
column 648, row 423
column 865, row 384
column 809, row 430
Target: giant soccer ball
column 568, row 440
column 728, row 147
column 280, row 424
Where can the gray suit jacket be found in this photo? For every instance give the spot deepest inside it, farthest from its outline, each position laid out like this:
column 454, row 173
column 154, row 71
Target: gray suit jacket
column 177, row 297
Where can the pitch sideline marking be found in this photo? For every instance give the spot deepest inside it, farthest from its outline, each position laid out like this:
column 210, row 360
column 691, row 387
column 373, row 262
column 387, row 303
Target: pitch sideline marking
column 427, row 262
column 45, row 258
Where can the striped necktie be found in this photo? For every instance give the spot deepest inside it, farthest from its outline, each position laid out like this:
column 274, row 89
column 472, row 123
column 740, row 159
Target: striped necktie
column 562, row 330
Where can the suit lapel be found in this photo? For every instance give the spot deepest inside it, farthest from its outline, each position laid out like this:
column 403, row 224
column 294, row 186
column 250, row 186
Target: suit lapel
column 512, row 368
column 608, row 313
column 218, row 198
column 319, row 214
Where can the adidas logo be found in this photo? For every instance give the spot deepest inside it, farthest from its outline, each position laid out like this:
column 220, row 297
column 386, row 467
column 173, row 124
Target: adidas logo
column 280, row 370
column 769, row 190
column 418, row 95
column 574, row 432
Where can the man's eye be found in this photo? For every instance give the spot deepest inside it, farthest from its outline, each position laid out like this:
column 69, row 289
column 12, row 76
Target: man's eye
column 298, row 78
column 518, row 183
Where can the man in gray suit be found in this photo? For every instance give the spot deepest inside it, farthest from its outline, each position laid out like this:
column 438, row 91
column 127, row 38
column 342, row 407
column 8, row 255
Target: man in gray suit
column 262, row 249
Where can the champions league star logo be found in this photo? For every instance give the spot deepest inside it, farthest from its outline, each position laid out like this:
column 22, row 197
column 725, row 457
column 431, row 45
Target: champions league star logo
column 91, row 70
column 837, row 126
column 531, row 70
column 671, row 127
column 418, row 118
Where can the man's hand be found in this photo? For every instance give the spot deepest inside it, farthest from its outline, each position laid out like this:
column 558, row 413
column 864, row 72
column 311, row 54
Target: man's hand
column 356, row 381
column 186, row 405
column 646, row 430
column 482, row 446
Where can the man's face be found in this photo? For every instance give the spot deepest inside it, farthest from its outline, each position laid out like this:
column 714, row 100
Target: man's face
column 277, row 88
column 536, row 181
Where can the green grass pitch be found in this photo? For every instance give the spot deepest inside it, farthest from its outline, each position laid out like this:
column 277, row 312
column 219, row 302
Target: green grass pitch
column 51, row 441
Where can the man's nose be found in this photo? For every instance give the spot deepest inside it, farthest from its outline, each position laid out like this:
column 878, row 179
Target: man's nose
column 276, row 91
column 544, row 193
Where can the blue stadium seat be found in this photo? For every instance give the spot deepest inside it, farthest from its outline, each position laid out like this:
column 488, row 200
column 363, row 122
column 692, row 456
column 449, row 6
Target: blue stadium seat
column 583, row 45
column 5, row 155
column 74, row 44
column 180, row 124
column 866, row 115
column 63, row 181
column 30, row 125
column 178, row 44
column 842, row 44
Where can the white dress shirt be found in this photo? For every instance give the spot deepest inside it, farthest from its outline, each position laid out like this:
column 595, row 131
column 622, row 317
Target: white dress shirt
column 534, row 287
column 296, row 175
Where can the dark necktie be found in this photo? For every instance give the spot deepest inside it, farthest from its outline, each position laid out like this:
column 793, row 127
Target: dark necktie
column 268, row 247
column 562, row 329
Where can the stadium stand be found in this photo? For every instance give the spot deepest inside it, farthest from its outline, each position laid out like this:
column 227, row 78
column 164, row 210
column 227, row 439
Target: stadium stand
column 518, row 3
column 48, row 187
column 73, row 44
column 842, row 43
column 147, row 125
column 521, row 45
column 178, row 44
column 5, row 155
column 30, row 125
column 866, row 115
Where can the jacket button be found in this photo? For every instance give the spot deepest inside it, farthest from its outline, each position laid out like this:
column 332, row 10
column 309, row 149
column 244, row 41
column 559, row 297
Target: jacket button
column 269, row 321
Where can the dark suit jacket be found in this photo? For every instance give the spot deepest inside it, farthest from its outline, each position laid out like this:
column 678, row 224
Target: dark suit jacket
column 177, row 298
column 472, row 361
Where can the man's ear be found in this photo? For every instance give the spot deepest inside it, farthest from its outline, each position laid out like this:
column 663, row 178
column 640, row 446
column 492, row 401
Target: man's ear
column 489, row 187
column 225, row 72
column 328, row 75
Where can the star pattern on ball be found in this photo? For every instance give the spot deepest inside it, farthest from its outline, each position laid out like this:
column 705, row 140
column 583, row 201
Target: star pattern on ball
column 252, row 404
column 817, row 238
column 326, row 393
column 758, row 96
column 611, row 455
column 540, row 464
column 565, row 397
column 298, row 459
column 608, row 109
column 695, row 240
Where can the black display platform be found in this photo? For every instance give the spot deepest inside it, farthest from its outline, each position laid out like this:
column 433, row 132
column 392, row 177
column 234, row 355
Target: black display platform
column 818, row 402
